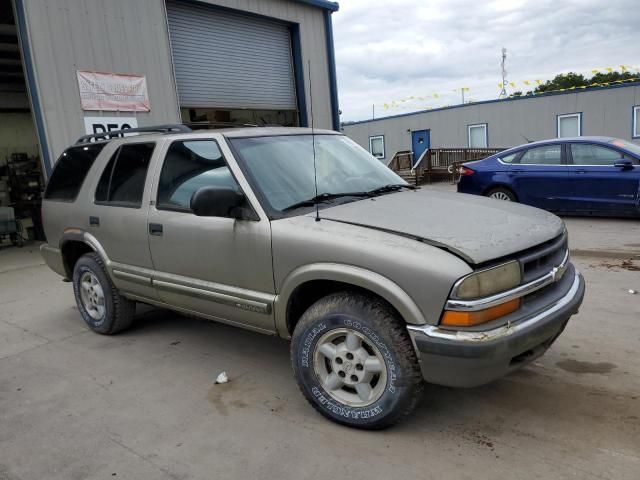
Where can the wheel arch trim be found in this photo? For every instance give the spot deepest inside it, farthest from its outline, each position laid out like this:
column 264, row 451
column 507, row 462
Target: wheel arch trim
column 81, row 236
column 348, row 274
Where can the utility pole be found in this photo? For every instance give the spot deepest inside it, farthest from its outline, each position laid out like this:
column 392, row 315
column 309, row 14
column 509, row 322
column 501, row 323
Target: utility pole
column 462, row 90
column 373, row 111
column 503, row 92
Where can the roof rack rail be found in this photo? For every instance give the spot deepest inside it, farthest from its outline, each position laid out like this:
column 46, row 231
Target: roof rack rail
column 169, row 128
column 202, row 125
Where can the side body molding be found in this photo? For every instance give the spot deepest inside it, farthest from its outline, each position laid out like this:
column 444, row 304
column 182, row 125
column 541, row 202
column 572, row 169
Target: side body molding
column 349, row 274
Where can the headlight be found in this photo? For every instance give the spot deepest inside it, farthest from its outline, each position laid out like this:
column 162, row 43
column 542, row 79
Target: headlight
column 488, row 282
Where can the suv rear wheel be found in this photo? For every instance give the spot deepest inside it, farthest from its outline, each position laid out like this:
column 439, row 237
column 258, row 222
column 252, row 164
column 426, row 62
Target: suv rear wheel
column 102, row 307
column 354, row 362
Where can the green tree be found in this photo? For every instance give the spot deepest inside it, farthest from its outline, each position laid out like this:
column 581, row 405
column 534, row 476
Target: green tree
column 571, row 79
column 564, row 80
column 612, row 77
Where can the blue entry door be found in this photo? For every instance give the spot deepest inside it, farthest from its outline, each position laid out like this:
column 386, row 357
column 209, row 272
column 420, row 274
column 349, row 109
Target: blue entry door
column 420, row 141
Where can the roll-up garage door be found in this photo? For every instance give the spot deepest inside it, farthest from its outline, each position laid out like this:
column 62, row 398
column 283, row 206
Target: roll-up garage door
column 224, row 59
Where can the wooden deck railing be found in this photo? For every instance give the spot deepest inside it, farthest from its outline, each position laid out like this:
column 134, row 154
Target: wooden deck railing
column 446, row 161
column 402, row 160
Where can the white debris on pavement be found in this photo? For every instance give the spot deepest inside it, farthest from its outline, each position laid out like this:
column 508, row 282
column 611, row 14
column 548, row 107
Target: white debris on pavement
column 222, row 378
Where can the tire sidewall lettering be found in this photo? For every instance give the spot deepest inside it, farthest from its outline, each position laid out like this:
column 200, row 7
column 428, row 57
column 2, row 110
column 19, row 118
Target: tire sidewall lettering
column 317, row 392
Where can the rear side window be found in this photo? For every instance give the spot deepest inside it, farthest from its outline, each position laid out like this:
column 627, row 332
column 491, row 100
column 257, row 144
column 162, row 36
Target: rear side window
column 122, row 182
column 70, row 171
column 509, row 158
column 188, row 167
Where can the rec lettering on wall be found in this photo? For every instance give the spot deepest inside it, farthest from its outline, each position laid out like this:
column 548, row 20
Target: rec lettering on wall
column 108, row 124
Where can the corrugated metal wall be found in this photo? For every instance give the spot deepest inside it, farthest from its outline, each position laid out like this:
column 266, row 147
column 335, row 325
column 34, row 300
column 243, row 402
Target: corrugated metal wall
column 510, row 123
column 126, row 36
column 121, row 36
column 225, row 59
column 313, row 42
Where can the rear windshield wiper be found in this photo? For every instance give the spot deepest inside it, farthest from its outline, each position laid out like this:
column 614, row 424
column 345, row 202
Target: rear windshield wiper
column 324, row 197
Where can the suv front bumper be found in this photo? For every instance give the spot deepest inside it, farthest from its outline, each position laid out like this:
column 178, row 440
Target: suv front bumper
column 470, row 358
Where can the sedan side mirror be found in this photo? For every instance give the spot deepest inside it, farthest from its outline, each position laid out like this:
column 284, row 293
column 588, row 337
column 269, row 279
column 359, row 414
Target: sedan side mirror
column 217, row 202
column 624, row 164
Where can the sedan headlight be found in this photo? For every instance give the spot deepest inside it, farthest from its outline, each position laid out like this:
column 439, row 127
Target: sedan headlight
column 488, row 282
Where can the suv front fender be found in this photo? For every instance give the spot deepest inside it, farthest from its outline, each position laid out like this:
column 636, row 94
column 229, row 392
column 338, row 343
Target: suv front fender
column 348, row 274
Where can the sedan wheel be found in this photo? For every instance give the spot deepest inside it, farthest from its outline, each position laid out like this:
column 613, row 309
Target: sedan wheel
column 500, row 195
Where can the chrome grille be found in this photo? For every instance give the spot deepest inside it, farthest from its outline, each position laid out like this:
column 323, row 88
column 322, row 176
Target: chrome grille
column 538, row 261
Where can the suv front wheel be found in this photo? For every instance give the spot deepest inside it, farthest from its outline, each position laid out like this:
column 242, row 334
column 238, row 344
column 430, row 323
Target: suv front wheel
column 354, row 362
column 102, row 307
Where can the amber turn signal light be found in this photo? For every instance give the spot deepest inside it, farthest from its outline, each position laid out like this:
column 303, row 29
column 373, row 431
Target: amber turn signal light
column 453, row 318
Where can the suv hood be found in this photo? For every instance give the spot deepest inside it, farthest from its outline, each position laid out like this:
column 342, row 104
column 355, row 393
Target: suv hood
column 478, row 229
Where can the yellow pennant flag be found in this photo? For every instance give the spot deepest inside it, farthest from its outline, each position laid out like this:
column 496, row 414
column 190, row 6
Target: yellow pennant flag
column 512, row 84
column 526, row 82
column 435, row 95
column 623, row 68
column 386, row 106
column 595, row 71
column 609, row 69
column 500, row 86
column 538, row 82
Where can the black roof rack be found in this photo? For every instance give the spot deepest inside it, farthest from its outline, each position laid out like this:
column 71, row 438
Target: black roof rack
column 171, row 128
column 212, row 125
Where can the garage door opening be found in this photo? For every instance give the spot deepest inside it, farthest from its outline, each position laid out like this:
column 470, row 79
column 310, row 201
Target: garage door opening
column 21, row 177
column 232, row 67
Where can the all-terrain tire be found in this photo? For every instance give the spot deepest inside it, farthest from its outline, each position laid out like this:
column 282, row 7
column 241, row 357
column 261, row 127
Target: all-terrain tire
column 380, row 330
column 118, row 311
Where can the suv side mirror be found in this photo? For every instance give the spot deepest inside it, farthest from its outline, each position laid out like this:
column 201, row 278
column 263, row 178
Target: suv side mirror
column 217, row 202
column 624, row 164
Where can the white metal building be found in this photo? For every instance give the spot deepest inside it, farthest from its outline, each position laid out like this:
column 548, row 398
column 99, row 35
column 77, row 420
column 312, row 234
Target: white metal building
column 610, row 111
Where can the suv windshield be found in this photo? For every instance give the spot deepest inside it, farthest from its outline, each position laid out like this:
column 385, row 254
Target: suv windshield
column 282, row 169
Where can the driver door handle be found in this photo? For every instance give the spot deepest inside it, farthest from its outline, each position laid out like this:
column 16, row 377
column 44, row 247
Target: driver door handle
column 155, row 229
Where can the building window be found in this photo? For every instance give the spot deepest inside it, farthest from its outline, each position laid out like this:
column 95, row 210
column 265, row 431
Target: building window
column 570, row 125
column 376, row 146
column 636, row 121
column 477, row 135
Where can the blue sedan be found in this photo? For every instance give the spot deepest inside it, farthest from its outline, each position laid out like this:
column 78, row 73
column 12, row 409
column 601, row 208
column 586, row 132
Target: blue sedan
column 583, row 175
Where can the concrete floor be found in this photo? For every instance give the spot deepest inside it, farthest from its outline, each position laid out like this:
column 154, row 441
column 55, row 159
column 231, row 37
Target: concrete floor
column 143, row 404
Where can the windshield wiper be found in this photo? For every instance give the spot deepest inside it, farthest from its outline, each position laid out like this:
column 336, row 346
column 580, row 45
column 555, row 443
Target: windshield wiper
column 324, row 197
column 392, row 187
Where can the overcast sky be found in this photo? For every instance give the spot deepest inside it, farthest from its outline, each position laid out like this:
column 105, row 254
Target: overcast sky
column 389, row 50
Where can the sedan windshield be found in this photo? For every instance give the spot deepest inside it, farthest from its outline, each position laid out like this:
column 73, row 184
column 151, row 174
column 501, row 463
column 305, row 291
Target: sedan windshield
column 282, row 170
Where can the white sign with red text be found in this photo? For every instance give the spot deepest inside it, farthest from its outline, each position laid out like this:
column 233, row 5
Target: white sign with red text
column 114, row 92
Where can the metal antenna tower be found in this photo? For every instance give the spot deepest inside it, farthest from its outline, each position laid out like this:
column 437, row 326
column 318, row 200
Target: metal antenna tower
column 503, row 92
